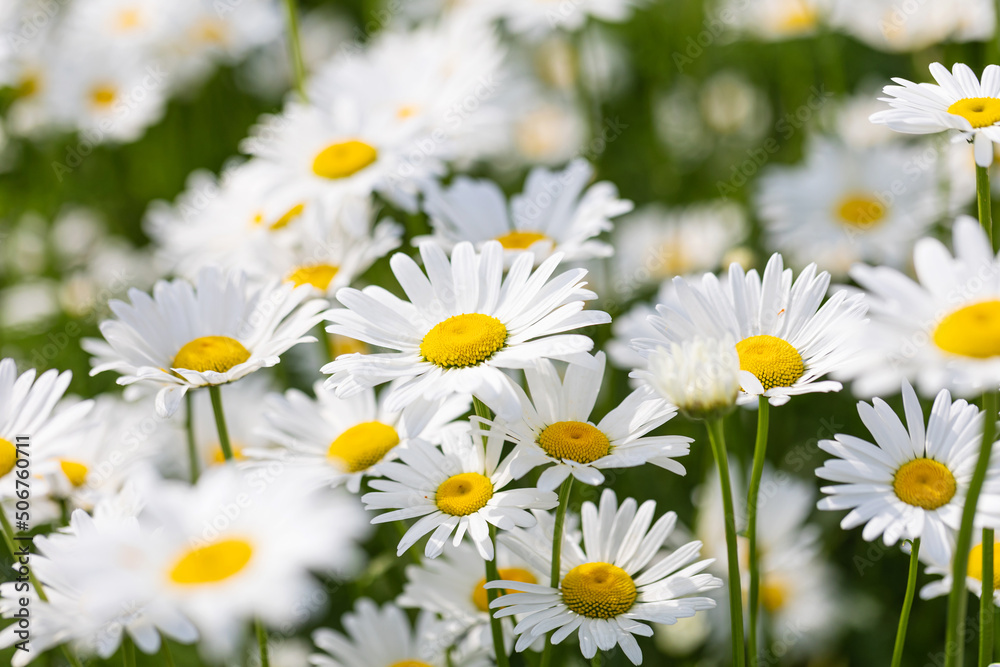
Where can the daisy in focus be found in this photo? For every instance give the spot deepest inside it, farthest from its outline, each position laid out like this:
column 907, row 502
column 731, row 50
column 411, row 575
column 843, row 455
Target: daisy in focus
column 610, row 588
column 913, row 481
column 463, row 324
column 457, row 489
column 187, row 336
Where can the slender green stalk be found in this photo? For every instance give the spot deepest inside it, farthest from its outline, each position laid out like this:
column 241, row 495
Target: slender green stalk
column 596, row 660
column 492, row 594
column 984, row 202
column 557, row 540
column 193, row 462
column 220, row 421
column 718, row 440
column 482, row 411
column 265, row 660
column 760, row 448
column 168, row 657
column 986, row 601
column 954, row 646
column 904, row 617
column 128, row 652
column 295, row 48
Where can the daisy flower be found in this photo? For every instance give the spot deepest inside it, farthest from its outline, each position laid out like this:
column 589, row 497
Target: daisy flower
column 887, row 26
column 340, row 440
column 784, row 337
column 610, row 589
column 555, row 430
column 959, row 101
column 214, row 332
column 913, row 482
column 457, row 489
column 777, row 20
column 534, row 19
column 974, row 577
column 463, row 324
column 554, row 213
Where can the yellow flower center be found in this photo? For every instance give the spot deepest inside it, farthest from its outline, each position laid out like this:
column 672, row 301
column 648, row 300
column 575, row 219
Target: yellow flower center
column 318, row 275
column 972, row 331
column 211, row 353
column 27, row 86
column 924, row 483
column 480, row 596
column 343, row 159
column 103, row 96
column 75, row 472
column 598, row 590
column 976, row 564
column 409, row 663
column 463, row 340
column 345, row 345
column 128, row 19
column 772, row 360
column 286, row 218
column 211, row 31
column 798, row 18
column 212, row 563
column 860, row 211
column 520, row 240
column 979, row 111
column 576, row 441
column 773, row 596
column 406, row 111
column 363, row 445
column 463, row 494
column 219, row 458
column 8, row 456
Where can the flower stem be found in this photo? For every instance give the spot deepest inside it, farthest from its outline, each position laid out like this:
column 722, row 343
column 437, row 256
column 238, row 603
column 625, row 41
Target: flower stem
column 904, row 617
column 492, row 594
column 986, row 601
column 717, row 437
column 128, row 652
column 557, row 540
column 193, row 463
column 168, row 657
column 760, row 447
column 954, row 647
column 295, row 48
column 220, row 421
column 983, row 198
column 481, row 411
column 265, row 660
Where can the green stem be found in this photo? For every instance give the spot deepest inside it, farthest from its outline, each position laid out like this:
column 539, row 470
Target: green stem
column 492, row 594
column 168, row 657
column 295, row 48
column 128, row 652
column 717, row 437
column 904, row 617
column 557, row 540
column 265, row 660
column 983, row 199
column 193, row 462
column 481, row 411
column 760, row 448
column 986, row 601
column 954, row 646
column 220, row 421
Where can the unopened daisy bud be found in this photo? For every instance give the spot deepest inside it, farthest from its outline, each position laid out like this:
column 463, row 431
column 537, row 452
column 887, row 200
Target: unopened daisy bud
column 701, row 376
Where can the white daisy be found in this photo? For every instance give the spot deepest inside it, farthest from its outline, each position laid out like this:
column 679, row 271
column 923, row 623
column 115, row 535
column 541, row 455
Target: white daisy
column 188, row 336
column 958, row 102
column 889, row 26
column 913, row 481
column 457, row 489
column 537, row 18
column 776, row 20
column 552, row 214
column 464, row 323
column 555, row 430
column 609, row 591
column 974, row 577
column 340, row 440
column 785, row 338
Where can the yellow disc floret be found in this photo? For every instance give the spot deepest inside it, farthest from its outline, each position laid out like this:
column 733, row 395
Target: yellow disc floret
column 598, row 590
column 409, row 663
column 772, row 360
column 976, row 564
column 363, row 445
column 318, row 275
column 212, row 563
column 860, row 211
column 287, row 217
column 972, row 331
column 8, row 456
column 576, row 441
column 75, row 472
column 463, row 340
column 479, row 594
column 520, row 240
column 463, row 494
column 211, row 353
column 343, row 159
column 979, row 111
column 924, row 483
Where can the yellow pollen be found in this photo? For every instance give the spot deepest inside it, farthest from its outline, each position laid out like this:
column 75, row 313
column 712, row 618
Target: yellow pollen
column 598, row 590
column 972, row 331
column 979, row 111
column 860, row 211
column 924, row 483
column 211, row 31
column 212, row 563
column 343, row 159
column 464, row 494
column 773, row 596
column 8, row 456
column 480, row 597
column 463, row 340
column 128, row 19
column 976, row 564
column 318, row 275
column 576, row 441
column 519, row 240
column 772, row 360
column 363, row 445
column 218, row 458
column 75, row 472
column 211, row 353
column 288, row 217
column 103, row 95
